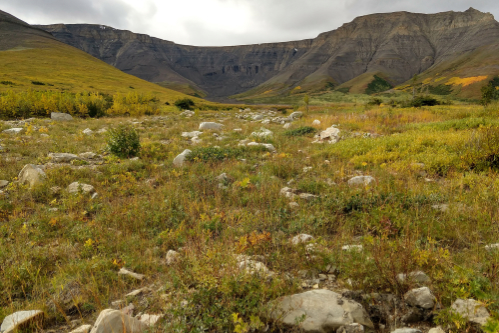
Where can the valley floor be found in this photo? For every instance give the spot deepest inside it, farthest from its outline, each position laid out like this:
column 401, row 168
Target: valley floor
column 389, row 191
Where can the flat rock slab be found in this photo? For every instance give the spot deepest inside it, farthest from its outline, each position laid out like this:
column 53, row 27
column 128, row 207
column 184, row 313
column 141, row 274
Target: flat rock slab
column 114, row 321
column 21, row 319
column 63, row 157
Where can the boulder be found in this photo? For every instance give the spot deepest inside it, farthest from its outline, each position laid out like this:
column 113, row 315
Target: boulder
column 88, row 155
column 63, row 157
column 3, row 183
column 210, row 126
column 13, row 130
column 78, row 187
column 288, row 192
column 436, row 330
column 420, row 297
column 361, row 181
column 319, row 311
column 257, row 117
column 331, row 135
column 82, row 329
column 110, row 321
column 418, row 277
column 270, row 147
column 287, row 126
column 31, row 175
column 60, row 116
column 88, row 131
column 316, row 123
column 254, row 267
column 180, row 159
column 262, row 133
column 302, row 238
column 472, row 310
column 22, row 319
column 296, row 115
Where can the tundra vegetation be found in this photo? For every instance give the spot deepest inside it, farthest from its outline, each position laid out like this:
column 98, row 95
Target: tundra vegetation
column 432, row 207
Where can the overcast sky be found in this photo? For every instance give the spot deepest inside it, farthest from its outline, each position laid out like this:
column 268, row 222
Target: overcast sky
column 225, row 22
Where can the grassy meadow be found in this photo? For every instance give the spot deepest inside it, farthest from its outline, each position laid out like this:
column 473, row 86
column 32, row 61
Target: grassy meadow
column 432, row 208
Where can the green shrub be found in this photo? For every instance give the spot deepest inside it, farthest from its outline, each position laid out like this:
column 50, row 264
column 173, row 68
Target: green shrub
column 378, row 85
column 123, row 141
column 213, row 154
column 184, row 104
column 7, row 83
column 423, row 101
column 305, row 130
column 375, row 101
column 37, row 83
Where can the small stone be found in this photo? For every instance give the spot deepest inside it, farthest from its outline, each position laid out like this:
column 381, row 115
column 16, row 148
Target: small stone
column 262, row 133
column 63, row 157
column 407, row 330
column 194, row 134
column 77, row 188
column 316, row 123
column 21, row 319
column 361, row 180
column 82, row 329
column 238, row 129
column 210, row 126
column 60, row 116
column 137, row 292
column 254, row 267
column 294, row 205
column 150, row 320
column 3, row 183
column 491, row 247
column 13, row 130
column 95, row 196
column 287, row 126
column 308, row 196
column 296, row 115
column 88, row 155
column 352, row 328
column 300, row 239
column 88, row 131
column 126, row 272
column 418, row 277
column 352, row 248
column 172, row 257
column 55, row 190
column 436, row 330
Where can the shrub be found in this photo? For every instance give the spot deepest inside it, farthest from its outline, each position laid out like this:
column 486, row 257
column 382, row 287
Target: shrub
column 423, row 101
column 378, row 85
column 123, row 141
column 305, row 130
column 7, row 83
column 37, row 83
column 375, row 101
column 184, row 104
column 212, row 154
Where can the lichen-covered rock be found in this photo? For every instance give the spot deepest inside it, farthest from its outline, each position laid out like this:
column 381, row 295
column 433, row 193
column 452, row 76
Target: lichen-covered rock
column 32, row 176
column 180, row 159
column 472, row 310
column 420, row 297
column 78, row 187
column 361, row 181
column 60, row 116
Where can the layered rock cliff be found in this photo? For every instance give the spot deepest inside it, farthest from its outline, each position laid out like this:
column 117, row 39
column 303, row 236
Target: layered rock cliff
column 396, row 46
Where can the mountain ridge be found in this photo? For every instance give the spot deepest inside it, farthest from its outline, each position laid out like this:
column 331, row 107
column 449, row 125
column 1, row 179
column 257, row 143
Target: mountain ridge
column 395, row 46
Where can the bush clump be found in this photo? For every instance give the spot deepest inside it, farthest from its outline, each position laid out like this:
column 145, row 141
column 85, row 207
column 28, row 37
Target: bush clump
column 123, row 141
column 378, row 85
column 213, row 154
column 184, row 104
column 305, row 130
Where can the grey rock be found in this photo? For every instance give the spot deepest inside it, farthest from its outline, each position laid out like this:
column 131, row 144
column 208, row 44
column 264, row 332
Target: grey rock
column 436, row 330
column 308, row 196
column 418, row 277
column 31, row 175
column 3, row 183
column 13, row 130
column 270, row 147
column 361, row 181
column 352, row 328
column 21, row 319
column 407, row 330
column 172, row 257
column 352, row 248
column 180, row 159
column 330, row 135
column 287, row 126
column 472, row 310
column 194, row 134
column 296, row 115
column 421, row 297
column 88, row 131
column 316, row 122
column 60, row 116
column 77, row 187
column 254, row 267
column 302, row 238
column 150, row 320
column 110, row 321
column 82, row 329
column 322, row 311
column 63, row 157
column 88, row 155
column 126, row 272
column 262, row 133
column 257, row 117
column 210, row 126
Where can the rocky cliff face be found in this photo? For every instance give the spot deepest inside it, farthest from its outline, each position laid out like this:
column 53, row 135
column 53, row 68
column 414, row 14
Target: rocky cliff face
column 396, row 45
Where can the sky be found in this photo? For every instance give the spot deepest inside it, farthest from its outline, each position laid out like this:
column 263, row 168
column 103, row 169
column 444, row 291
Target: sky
column 225, row 22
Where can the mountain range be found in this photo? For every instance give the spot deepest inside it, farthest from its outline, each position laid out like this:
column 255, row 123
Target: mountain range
column 450, row 52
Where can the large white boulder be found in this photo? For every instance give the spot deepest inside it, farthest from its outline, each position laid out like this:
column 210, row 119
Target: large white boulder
column 21, row 319
column 114, row 321
column 180, row 159
column 13, row 130
column 60, row 116
column 472, row 310
column 210, row 126
column 31, row 175
column 320, row 311
column 330, row 135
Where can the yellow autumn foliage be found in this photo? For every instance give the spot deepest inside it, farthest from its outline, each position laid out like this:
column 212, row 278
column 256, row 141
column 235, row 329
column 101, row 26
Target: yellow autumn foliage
column 456, row 81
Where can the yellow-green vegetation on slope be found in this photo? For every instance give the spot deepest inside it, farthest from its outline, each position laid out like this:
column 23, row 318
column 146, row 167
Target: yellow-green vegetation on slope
column 49, row 65
column 432, row 207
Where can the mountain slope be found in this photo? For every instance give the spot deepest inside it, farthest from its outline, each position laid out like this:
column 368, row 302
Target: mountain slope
column 29, row 54
column 395, row 46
